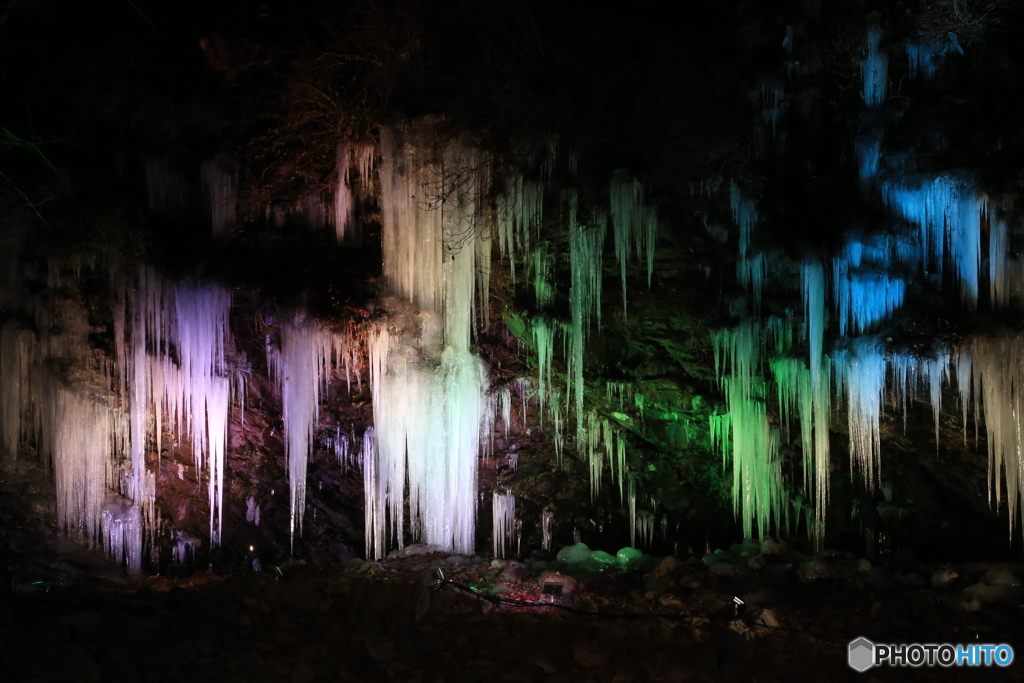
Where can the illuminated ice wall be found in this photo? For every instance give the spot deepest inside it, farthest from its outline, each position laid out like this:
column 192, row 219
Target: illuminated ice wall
column 95, row 419
column 943, row 236
column 428, row 387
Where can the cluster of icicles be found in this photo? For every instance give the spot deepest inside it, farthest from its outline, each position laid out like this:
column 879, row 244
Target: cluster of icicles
column 176, row 372
column 953, row 234
column 94, row 418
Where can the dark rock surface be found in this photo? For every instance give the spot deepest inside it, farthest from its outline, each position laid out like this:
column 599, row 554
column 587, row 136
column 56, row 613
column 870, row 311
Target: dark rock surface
column 390, row 621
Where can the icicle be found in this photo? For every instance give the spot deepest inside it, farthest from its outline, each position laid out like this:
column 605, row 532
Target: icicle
column 874, row 68
column 345, row 225
column 542, row 265
column 518, row 216
column 505, row 402
column 15, row 392
column 374, row 510
column 925, row 58
column 339, row 444
column 428, row 387
column 586, row 244
column 547, row 526
column 77, row 437
column 964, row 372
column 998, row 365
column 773, row 92
column 868, row 149
column 632, row 510
column 861, row 371
column 504, row 509
column 482, row 258
column 750, row 269
column 252, row 511
column 645, row 527
column 865, row 292
column 595, row 454
column 937, row 370
column 948, row 213
column 122, row 530
column 635, row 225
column 753, row 447
column 202, row 331
column 184, row 546
column 302, row 375
column 221, row 179
column 168, row 192
column 544, row 341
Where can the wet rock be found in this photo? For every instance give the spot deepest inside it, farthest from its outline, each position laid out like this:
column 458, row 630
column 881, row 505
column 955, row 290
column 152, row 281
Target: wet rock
column 689, row 581
column 714, row 558
column 544, row 662
column 666, row 565
column 669, row 600
column 767, row 618
column 514, row 573
column 772, row 547
column 339, row 585
column 421, row 601
column 943, row 577
column 84, row 623
column 908, row 578
column 55, row 632
column 590, row 656
column 302, row 673
column 708, row 601
column 73, row 665
column 746, row 549
column 526, row 672
column 548, row 581
column 731, row 571
column 659, row 583
column 382, row 649
column 758, row 597
column 1000, row 577
column 815, row 569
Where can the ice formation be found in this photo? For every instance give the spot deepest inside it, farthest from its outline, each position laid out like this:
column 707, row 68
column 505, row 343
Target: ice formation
column 925, row 58
column 773, row 91
column 948, row 212
column 504, row 517
column 874, row 68
column 749, row 444
column 220, row 176
column 547, row 526
column 998, row 376
column 635, row 226
column 586, row 246
column 301, row 371
column 252, row 511
column 94, row 425
column 836, row 350
column 750, row 268
column 429, row 389
column 168, row 191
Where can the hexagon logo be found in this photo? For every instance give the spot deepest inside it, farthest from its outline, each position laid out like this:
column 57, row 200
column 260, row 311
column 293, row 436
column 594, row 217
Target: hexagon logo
column 861, row 654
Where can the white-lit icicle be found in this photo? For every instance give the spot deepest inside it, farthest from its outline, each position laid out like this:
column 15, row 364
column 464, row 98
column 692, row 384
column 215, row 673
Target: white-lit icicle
column 428, row 388
column 504, row 517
